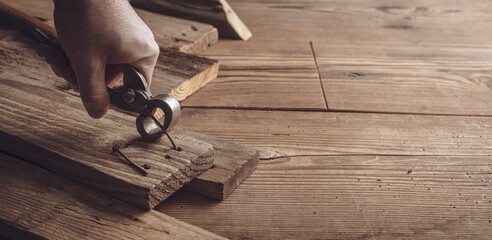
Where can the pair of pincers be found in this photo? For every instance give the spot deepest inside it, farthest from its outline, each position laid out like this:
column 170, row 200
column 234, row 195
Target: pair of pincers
column 157, row 115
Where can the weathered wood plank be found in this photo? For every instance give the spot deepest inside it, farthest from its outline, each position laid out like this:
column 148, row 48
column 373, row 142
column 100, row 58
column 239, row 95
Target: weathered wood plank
column 232, row 162
column 179, row 34
column 262, row 82
column 180, row 74
column 169, row 32
column 294, row 133
column 60, row 136
column 38, row 204
column 272, row 70
column 351, row 197
column 458, row 87
column 411, row 57
column 399, row 56
column 215, row 12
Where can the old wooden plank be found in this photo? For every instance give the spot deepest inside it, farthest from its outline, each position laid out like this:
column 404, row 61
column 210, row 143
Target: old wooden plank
column 169, row 32
column 38, row 204
column 180, row 74
column 272, row 70
column 232, row 162
column 418, row 57
column 262, row 82
column 351, row 197
column 215, row 12
column 179, row 34
column 449, row 86
column 399, row 56
column 61, row 137
column 294, row 132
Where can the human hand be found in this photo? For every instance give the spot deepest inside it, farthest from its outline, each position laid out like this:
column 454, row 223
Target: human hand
column 93, row 34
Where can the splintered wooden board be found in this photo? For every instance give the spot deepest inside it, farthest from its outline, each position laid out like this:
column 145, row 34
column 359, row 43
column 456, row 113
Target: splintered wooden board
column 180, row 74
column 37, row 203
column 216, row 12
column 179, row 34
column 169, row 32
column 232, row 162
column 51, row 128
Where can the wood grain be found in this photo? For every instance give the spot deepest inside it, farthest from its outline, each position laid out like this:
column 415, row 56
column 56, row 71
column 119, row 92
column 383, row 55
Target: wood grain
column 38, row 204
column 215, row 12
column 402, row 57
column 262, row 82
column 458, row 87
column 179, row 34
column 61, row 137
column 232, row 164
column 169, row 32
column 180, row 74
column 351, row 197
column 300, row 133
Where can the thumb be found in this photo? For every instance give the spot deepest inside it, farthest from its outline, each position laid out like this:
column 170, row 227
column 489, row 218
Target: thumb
column 92, row 86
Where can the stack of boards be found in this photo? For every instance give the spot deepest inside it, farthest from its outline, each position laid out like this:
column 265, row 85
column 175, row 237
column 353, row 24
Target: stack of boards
column 59, row 177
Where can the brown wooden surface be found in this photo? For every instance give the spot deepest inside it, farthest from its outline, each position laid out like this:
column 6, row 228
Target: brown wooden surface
column 307, row 133
column 232, row 162
column 355, row 171
column 325, row 175
column 262, row 81
column 38, row 204
column 179, row 34
column 25, row 21
column 169, row 32
column 377, row 56
column 215, row 12
column 63, row 138
column 351, row 197
column 180, row 74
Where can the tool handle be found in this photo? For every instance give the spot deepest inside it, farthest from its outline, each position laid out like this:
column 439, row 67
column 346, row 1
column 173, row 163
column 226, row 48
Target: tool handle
column 26, row 22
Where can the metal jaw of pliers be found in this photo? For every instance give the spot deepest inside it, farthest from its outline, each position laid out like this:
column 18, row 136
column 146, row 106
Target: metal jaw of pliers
column 157, row 115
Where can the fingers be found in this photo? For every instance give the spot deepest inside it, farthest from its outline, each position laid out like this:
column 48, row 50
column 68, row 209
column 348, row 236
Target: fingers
column 92, row 86
column 113, row 75
column 146, row 65
column 59, row 64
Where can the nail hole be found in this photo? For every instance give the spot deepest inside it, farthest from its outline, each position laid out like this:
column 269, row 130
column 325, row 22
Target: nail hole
column 119, row 144
column 167, row 157
column 179, row 149
column 146, row 166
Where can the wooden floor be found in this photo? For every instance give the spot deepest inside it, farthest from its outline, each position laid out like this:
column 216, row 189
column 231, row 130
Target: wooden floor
column 374, row 121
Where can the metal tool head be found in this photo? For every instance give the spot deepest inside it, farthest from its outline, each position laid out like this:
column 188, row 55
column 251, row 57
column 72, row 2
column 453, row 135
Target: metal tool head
column 163, row 113
column 157, row 115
